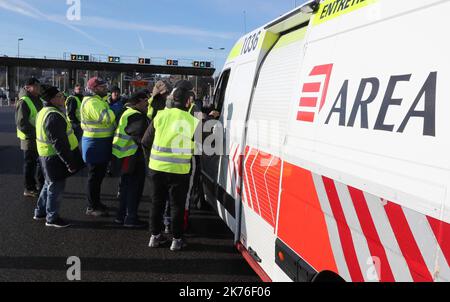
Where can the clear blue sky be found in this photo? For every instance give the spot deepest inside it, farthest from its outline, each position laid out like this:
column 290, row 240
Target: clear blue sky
column 179, row 29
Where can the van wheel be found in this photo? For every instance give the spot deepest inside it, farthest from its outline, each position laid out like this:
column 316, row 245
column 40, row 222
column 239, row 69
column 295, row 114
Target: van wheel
column 327, row 276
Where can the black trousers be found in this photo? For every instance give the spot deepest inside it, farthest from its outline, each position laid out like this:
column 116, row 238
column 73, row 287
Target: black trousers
column 96, row 174
column 32, row 170
column 175, row 187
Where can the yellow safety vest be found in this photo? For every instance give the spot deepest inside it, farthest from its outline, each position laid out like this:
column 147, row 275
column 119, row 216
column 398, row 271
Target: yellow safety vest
column 123, row 144
column 31, row 118
column 173, row 147
column 44, row 147
column 97, row 120
column 78, row 114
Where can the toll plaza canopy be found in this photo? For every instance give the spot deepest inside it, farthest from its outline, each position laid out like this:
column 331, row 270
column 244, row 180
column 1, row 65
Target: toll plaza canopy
column 103, row 66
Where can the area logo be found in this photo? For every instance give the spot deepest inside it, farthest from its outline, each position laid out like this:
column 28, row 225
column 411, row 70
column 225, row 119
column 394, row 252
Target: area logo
column 316, row 88
column 311, row 93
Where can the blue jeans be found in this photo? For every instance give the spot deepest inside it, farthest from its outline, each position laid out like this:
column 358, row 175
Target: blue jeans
column 48, row 202
column 131, row 189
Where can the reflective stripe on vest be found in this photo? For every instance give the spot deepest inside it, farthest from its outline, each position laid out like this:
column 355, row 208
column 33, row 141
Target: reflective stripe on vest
column 31, row 118
column 77, row 113
column 123, row 144
column 44, row 146
column 173, row 146
column 173, row 150
column 104, row 126
column 191, row 109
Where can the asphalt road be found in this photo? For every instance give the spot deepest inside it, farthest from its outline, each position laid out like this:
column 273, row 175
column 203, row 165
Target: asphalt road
column 29, row 251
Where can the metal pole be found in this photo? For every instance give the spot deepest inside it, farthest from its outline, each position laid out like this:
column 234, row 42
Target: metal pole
column 196, row 85
column 121, row 82
column 64, row 79
column 18, row 67
column 7, row 84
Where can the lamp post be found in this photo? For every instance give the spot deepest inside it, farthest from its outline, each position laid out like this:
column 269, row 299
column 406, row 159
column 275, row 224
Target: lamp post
column 18, row 67
column 215, row 50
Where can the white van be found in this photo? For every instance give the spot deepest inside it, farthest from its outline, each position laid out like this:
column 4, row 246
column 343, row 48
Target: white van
column 337, row 160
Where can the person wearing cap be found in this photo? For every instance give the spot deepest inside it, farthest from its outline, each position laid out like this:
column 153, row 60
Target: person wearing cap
column 73, row 106
column 115, row 102
column 171, row 135
column 27, row 109
column 127, row 147
column 98, row 122
column 59, row 155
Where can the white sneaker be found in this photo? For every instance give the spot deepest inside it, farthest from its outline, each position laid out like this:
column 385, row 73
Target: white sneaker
column 177, row 245
column 157, row 240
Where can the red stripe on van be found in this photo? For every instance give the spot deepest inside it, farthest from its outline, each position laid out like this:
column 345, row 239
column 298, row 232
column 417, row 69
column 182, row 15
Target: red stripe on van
column 308, row 102
column 305, row 116
column 442, row 232
column 371, row 234
column 344, row 231
column 246, row 185
column 311, row 87
column 407, row 243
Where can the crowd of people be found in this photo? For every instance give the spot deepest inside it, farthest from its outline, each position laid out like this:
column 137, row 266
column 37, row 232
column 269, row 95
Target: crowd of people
column 150, row 135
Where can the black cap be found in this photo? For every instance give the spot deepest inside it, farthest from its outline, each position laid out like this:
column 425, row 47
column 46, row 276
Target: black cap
column 32, row 81
column 115, row 89
column 183, row 84
column 137, row 97
column 48, row 92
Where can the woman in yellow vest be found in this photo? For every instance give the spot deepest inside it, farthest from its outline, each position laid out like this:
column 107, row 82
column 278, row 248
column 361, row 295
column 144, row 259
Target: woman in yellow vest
column 127, row 147
column 59, row 155
column 171, row 137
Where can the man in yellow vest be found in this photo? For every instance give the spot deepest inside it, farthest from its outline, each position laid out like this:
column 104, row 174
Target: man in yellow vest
column 99, row 124
column 127, row 147
column 58, row 153
column 73, row 107
column 172, row 140
column 27, row 109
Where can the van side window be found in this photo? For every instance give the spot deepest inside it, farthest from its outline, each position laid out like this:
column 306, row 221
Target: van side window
column 219, row 97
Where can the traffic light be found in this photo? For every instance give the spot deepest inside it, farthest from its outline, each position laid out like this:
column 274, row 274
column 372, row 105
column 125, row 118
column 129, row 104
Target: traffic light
column 75, row 57
column 196, row 64
column 114, row 59
column 145, row 61
column 172, row 62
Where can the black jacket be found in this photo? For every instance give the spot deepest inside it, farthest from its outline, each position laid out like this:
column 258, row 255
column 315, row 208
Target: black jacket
column 56, row 167
column 23, row 121
column 158, row 103
column 71, row 107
